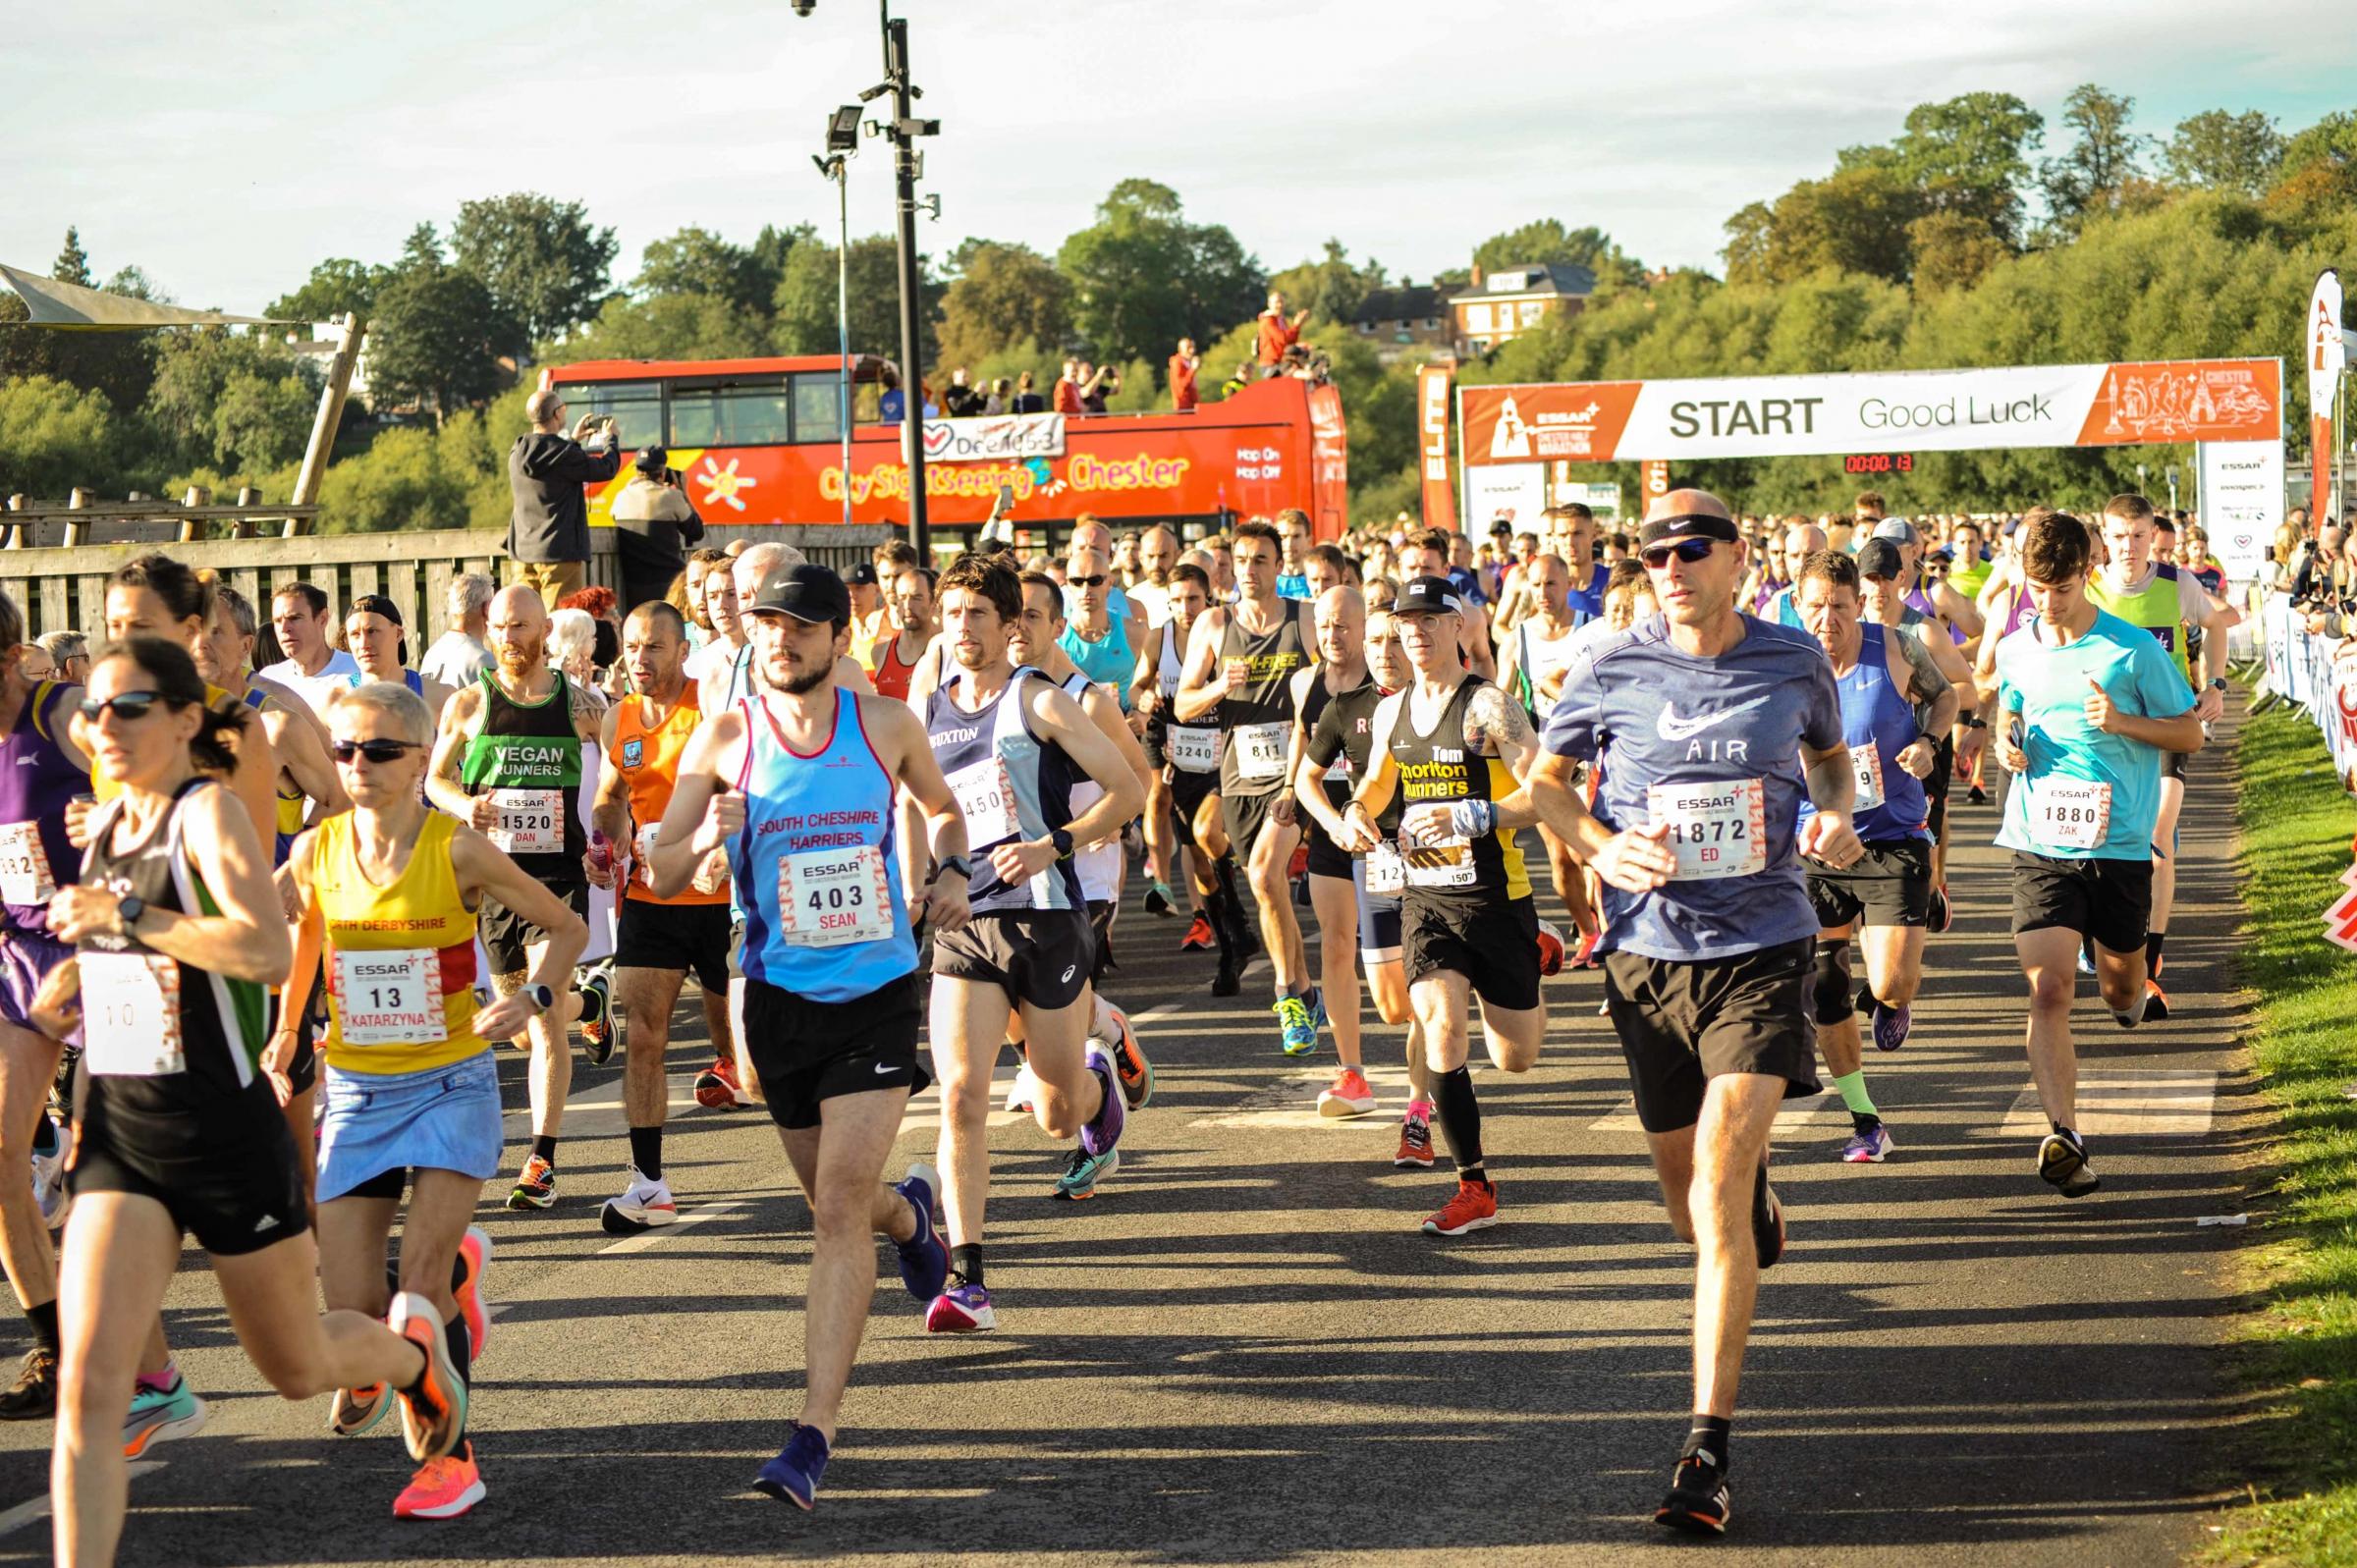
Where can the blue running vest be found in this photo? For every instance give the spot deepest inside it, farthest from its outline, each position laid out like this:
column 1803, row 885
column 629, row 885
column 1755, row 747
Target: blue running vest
column 1011, row 784
column 1879, row 723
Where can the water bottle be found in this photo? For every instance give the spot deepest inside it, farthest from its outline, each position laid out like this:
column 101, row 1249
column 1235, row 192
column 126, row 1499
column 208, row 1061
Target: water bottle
column 601, row 853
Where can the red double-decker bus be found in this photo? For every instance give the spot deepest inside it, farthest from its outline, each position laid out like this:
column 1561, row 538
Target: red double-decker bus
column 759, row 441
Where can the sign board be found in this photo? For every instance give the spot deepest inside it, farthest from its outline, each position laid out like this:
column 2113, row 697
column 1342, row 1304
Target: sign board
column 1916, row 411
column 1432, row 445
column 995, row 437
column 1516, row 492
column 2328, row 354
column 1603, row 500
column 1656, row 476
column 2242, row 501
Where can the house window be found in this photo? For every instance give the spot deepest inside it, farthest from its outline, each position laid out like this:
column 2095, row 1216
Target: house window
column 1477, row 318
column 1533, row 309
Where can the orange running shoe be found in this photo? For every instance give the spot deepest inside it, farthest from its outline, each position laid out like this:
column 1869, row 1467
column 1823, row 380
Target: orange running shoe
column 1199, row 936
column 1348, row 1095
column 1415, row 1137
column 716, row 1088
column 433, row 1414
column 475, row 1256
column 1474, row 1208
column 442, row 1489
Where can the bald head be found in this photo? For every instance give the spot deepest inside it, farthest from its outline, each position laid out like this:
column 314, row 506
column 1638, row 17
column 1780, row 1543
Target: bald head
column 758, row 562
column 1689, row 503
column 519, row 631
column 543, row 407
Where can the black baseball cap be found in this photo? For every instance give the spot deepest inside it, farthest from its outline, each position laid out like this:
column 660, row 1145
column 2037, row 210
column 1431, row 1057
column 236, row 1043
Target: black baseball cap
column 808, row 592
column 652, row 459
column 1428, row 596
column 375, row 604
column 1687, row 525
column 864, row 575
column 1878, row 558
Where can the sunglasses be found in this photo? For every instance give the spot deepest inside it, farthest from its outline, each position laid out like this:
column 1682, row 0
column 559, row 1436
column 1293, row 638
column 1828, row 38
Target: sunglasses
column 128, row 705
column 376, row 751
column 1087, row 582
column 1689, row 551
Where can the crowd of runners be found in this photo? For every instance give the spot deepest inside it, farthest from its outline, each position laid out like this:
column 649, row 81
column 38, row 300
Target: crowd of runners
column 264, row 929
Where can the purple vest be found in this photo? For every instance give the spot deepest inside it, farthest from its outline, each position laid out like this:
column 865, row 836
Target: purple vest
column 36, row 780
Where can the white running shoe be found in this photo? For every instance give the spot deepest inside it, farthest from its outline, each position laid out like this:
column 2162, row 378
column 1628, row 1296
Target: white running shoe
column 1023, row 1093
column 642, row 1206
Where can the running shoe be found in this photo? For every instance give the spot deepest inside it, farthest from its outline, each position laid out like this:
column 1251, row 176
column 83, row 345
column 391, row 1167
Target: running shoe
column 475, row 1257
column 536, row 1185
column 2086, row 964
column 1551, row 949
column 1199, row 936
column 1891, row 1025
column 642, row 1206
column 794, row 1475
column 1023, row 1093
column 2063, row 1163
column 1082, row 1172
column 1298, row 867
column 1298, row 1028
column 354, row 1411
column 1348, row 1095
column 1767, row 1220
column 595, row 988
column 1226, row 981
column 1129, row 1062
column 33, row 1397
column 924, row 1256
column 1415, row 1138
column 2156, row 1001
column 716, row 1088
column 1870, row 1145
column 1317, row 1007
column 1103, row 1132
column 1300, row 886
column 433, row 1414
column 1697, row 1502
column 159, row 1417
column 49, row 1178
column 1585, row 957
column 1159, row 899
column 1473, row 1208
column 963, row 1309
column 442, row 1489
column 1943, row 914
column 1977, row 796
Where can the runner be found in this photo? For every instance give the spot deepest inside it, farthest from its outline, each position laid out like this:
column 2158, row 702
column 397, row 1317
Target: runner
column 1426, row 554
column 1013, row 745
column 1884, row 602
column 2171, row 605
column 1885, row 678
column 507, row 763
column 378, row 644
column 716, row 668
column 1093, row 639
column 1341, row 618
column 2091, row 703
column 1240, row 663
column 1801, row 540
column 385, row 894
column 1293, row 538
column 1709, row 726
column 306, row 779
column 310, row 667
column 909, row 603
column 1538, row 651
column 1452, row 747
column 176, row 1130
column 661, row 940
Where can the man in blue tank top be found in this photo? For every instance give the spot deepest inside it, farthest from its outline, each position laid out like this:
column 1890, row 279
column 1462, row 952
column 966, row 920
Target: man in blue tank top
column 1093, row 636
column 1711, row 726
column 1014, row 745
column 1886, row 896
column 797, row 782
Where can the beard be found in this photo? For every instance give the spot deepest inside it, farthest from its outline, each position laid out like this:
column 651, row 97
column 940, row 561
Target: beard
column 804, row 682
column 519, row 657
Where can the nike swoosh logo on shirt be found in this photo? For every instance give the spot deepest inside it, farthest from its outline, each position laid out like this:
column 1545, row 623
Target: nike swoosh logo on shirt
column 883, row 1067
column 1672, row 727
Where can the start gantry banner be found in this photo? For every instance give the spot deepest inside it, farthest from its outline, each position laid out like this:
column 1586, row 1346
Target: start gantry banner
column 1917, row 410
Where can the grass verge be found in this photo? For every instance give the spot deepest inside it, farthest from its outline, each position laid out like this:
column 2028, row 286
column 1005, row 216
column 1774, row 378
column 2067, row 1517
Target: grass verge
column 2297, row 828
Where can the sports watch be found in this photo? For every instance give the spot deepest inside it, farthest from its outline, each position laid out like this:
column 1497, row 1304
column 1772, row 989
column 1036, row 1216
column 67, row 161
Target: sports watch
column 542, row 999
column 128, row 912
column 956, row 863
column 1062, row 840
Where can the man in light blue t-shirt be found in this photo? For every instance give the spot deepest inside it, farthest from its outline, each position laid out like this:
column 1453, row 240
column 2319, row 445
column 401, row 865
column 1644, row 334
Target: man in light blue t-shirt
column 2087, row 704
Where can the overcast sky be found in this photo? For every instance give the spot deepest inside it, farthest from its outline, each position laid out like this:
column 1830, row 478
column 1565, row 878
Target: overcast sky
column 226, row 148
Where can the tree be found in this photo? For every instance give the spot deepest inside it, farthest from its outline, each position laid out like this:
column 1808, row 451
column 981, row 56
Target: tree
column 2237, row 153
column 1331, row 288
column 54, row 436
column 334, row 288
column 2102, row 164
column 673, row 326
column 262, row 422
column 1547, row 242
column 1143, row 276
column 1952, row 251
column 545, row 267
column 805, row 320
column 73, row 264
column 237, row 399
column 694, row 261
column 1968, row 154
column 1000, row 294
column 438, row 336
column 1853, row 220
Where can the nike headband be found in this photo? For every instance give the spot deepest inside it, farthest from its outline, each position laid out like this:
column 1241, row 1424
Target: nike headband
column 1688, row 526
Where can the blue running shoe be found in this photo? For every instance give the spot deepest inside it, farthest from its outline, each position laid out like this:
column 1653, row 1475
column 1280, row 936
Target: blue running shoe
column 1891, row 1025
column 963, row 1309
column 156, row 1416
column 1870, row 1146
column 1099, row 1135
column 796, row 1473
column 1299, row 1026
column 1082, row 1171
column 1317, row 1008
column 924, row 1256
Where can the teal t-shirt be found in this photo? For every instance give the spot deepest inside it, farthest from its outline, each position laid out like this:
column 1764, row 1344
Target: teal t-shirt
column 2051, row 810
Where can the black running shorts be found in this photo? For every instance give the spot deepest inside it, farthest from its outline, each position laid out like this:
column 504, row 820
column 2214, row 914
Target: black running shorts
column 507, row 935
column 1326, row 858
column 1244, row 816
column 2110, row 900
column 1494, row 944
column 1101, row 913
column 1188, row 791
column 1039, row 957
column 1682, row 1023
column 806, row 1052
column 226, row 1174
column 1891, row 884
column 682, row 939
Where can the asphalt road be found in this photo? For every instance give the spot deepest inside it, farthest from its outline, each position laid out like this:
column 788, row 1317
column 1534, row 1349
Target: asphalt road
column 1244, row 1350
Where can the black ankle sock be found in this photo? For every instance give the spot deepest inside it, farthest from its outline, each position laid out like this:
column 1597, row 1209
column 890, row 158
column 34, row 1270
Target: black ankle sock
column 2152, row 951
column 545, row 1145
column 646, row 1151
column 1461, row 1121
column 965, row 1261
column 44, row 1136
column 44, row 1325
column 1709, row 1439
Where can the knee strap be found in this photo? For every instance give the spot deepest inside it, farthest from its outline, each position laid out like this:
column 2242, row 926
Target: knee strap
column 1832, row 991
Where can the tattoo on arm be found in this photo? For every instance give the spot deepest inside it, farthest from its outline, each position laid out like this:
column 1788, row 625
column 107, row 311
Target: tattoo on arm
column 1497, row 719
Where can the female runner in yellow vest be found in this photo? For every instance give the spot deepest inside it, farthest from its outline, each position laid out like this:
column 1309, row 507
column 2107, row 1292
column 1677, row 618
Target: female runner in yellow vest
column 391, row 887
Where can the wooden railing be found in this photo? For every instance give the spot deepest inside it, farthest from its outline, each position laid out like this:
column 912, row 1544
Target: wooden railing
column 84, row 519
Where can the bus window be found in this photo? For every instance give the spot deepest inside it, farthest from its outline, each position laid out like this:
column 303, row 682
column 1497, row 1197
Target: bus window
column 816, row 408
column 727, row 414
column 636, row 406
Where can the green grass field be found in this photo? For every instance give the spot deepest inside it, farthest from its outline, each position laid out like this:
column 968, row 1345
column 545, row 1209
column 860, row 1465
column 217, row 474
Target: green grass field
column 2302, row 1347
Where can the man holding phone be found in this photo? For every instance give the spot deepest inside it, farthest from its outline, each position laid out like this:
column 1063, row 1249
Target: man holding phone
column 548, row 533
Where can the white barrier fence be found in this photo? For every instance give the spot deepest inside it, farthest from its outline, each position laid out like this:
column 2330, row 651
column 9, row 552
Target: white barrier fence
column 2316, row 674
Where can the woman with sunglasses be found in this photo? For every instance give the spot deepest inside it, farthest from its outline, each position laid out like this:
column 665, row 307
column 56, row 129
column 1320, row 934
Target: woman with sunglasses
column 390, row 890
column 380, row 646
column 179, row 935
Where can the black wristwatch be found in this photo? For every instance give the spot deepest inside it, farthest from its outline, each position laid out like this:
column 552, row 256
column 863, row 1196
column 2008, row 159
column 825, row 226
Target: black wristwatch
column 542, row 999
column 127, row 911
column 957, row 863
column 1976, row 722
column 1062, row 840
column 2219, row 684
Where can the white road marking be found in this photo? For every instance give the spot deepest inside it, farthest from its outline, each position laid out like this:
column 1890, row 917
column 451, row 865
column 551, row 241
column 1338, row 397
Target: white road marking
column 1292, row 1104
column 1792, row 1115
column 696, row 1216
column 34, row 1509
column 2151, row 1104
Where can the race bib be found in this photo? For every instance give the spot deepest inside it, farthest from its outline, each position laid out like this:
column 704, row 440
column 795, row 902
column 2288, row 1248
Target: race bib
column 832, row 897
column 1386, row 873
column 389, row 997
column 2069, row 814
column 1716, row 829
column 1260, row 750
column 131, row 1014
column 530, row 822
column 711, row 875
column 1193, row 750
column 1867, row 762
column 986, row 795
column 1445, row 864
column 24, row 865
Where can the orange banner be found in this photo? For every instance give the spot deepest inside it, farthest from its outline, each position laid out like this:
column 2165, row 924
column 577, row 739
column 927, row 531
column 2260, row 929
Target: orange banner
column 1432, row 404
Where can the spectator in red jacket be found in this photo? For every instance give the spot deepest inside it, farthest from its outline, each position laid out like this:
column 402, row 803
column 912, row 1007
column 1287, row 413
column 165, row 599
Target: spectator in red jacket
column 1183, row 365
column 1277, row 334
column 1067, row 388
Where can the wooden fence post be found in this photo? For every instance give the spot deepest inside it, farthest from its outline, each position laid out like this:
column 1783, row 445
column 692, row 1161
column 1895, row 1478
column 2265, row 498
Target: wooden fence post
column 192, row 529
column 78, row 529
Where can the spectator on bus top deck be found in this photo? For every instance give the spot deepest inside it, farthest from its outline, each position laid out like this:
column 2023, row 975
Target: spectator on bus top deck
column 1277, row 334
column 548, row 533
column 960, row 401
column 892, row 405
column 1002, row 395
column 653, row 525
column 1067, row 388
column 1096, row 381
column 1183, row 365
column 1027, row 396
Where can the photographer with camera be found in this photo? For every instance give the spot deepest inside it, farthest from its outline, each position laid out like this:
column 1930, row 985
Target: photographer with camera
column 655, row 524
column 548, row 533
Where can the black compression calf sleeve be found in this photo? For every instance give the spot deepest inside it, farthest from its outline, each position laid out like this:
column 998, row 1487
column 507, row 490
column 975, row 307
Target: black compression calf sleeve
column 1460, row 1120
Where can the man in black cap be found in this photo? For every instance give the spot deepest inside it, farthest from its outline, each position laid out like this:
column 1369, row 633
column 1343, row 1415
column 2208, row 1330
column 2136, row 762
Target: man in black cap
column 653, row 526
